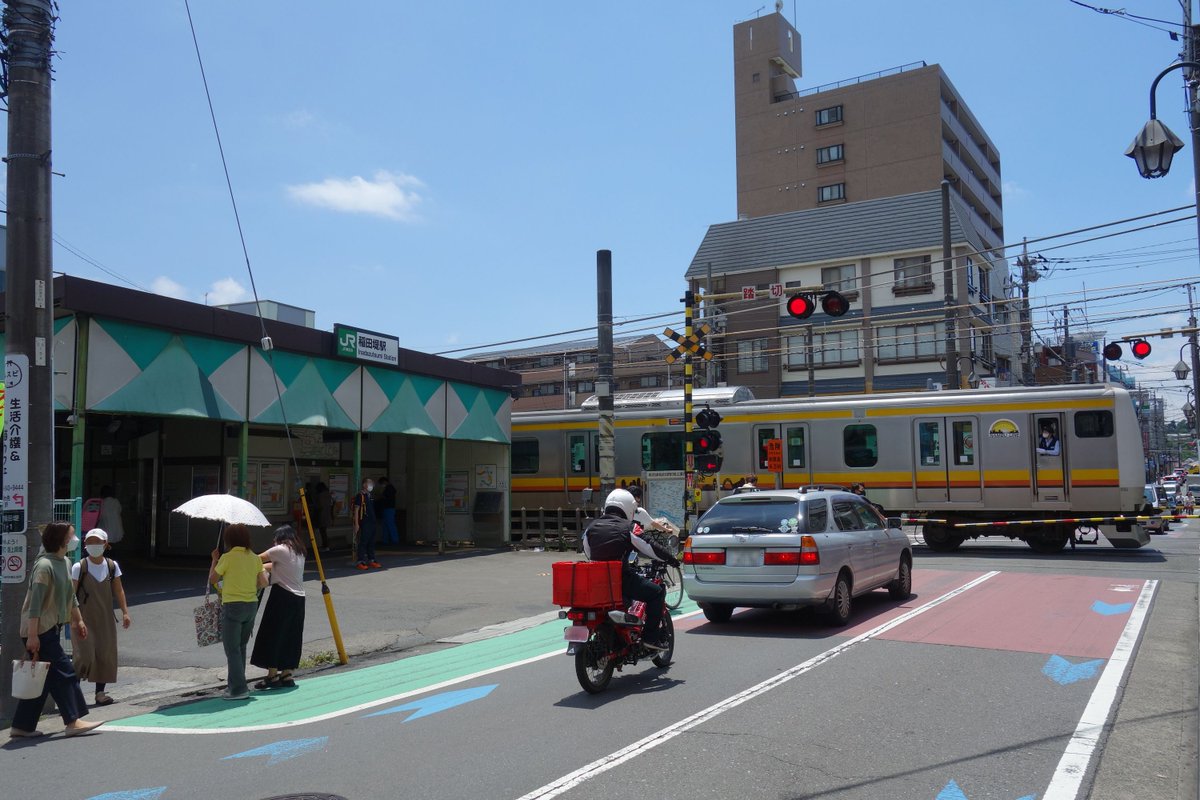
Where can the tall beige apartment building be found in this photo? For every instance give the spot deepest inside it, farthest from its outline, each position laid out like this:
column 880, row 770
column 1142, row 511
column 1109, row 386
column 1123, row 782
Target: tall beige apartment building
column 890, row 133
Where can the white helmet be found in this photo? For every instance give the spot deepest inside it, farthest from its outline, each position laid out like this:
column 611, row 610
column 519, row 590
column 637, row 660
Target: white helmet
column 623, row 501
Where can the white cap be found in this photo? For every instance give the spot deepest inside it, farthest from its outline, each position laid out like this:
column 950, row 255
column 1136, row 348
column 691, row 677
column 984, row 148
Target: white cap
column 97, row 532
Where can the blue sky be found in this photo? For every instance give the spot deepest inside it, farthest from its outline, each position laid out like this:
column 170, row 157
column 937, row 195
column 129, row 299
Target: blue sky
column 445, row 172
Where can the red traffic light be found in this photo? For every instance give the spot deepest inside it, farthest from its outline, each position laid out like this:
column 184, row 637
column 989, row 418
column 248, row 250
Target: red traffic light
column 1140, row 348
column 834, row 304
column 801, row 306
column 708, row 463
column 706, row 441
column 1112, row 351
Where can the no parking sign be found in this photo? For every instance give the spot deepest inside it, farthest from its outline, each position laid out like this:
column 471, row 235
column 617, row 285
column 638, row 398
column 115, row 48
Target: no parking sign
column 12, row 558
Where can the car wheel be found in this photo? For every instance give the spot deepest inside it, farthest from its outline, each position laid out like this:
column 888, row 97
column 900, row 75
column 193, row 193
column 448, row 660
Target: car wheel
column 838, row 610
column 901, row 587
column 717, row 612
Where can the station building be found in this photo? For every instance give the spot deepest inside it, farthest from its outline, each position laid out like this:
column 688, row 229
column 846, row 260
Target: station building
column 164, row 400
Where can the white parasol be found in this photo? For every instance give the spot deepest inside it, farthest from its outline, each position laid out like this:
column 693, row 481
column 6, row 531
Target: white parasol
column 224, row 508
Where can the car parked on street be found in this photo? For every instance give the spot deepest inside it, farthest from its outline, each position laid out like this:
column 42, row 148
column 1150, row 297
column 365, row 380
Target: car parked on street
column 810, row 547
column 1156, row 503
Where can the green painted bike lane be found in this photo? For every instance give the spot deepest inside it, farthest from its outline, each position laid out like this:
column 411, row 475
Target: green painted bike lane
column 326, row 696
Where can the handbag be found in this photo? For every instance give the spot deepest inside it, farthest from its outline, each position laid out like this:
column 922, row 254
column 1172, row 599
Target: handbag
column 29, row 678
column 208, row 621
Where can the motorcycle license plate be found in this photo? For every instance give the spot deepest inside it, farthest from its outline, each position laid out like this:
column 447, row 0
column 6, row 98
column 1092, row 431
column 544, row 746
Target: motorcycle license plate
column 576, row 633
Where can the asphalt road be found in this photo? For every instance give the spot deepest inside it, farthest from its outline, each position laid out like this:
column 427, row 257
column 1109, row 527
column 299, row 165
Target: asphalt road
column 980, row 686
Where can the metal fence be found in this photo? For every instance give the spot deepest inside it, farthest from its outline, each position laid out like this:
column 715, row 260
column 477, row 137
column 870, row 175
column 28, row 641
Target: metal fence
column 550, row 528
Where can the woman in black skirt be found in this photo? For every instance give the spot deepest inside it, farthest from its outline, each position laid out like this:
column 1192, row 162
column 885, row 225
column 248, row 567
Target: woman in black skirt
column 281, row 631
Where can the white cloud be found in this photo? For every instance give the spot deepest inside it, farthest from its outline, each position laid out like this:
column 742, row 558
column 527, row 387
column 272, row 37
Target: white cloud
column 165, row 286
column 387, row 194
column 226, row 291
column 1012, row 191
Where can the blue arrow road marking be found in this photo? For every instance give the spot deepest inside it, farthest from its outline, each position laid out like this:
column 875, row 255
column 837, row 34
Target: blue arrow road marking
column 1064, row 672
column 952, row 792
column 132, row 794
column 282, row 751
column 439, row 702
column 1111, row 609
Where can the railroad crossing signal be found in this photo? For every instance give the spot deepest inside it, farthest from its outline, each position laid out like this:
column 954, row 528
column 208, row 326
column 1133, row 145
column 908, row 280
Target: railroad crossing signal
column 802, row 304
column 1139, row 347
column 688, row 344
column 706, row 442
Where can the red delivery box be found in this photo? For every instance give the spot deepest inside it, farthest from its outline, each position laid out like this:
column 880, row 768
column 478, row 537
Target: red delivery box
column 589, row 584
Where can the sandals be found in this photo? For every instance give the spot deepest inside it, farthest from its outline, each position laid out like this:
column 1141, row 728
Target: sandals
column 268, row 683
column 287, row 682
column 102, row 699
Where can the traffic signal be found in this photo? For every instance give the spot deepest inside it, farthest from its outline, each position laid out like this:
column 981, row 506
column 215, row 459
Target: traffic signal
column 1113, row 351
column 834, row 304
column 706, row 442
column 708, row 418
column 801, row 306
column 1140, row 348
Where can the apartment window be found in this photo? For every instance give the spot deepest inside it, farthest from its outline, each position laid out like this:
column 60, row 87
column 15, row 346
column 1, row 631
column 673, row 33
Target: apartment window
column 752, row 355
column 923, row 342
column 970, row 276
column 834, row 191
column 650, row 381
column 985, row 348
column 828, row 155
column 585, row 386
column 839, row 279
column 828, row 116
column 985, row 285
column 546, row 361
column 830, row 349
column 546, row 389
column 913, row 275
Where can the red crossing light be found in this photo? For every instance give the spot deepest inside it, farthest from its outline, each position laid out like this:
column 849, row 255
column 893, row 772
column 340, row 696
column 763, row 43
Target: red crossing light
column 1140, row 348
column 801, row 306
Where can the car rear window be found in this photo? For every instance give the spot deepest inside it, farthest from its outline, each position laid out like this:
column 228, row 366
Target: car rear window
column 764, row 514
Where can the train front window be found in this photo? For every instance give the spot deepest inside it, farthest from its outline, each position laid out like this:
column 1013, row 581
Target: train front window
column 1093, row 424
column 524, row 456
column 662, row 451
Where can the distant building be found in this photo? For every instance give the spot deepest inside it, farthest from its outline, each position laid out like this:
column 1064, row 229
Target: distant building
column 280, row 312
column 563, row 375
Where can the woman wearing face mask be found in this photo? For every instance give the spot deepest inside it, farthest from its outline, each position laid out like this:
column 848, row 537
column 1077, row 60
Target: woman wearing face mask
column 50, row 604
column 95, row 589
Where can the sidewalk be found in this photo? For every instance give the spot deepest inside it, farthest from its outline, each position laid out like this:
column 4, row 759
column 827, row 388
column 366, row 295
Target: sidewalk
column 415, row 600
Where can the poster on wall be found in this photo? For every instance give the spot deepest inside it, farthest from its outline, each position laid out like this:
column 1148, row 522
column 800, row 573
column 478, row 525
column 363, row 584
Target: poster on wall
column 251, row 480
column 485, row 476
column 339, row 489
column 271, row 496
column 456, row 492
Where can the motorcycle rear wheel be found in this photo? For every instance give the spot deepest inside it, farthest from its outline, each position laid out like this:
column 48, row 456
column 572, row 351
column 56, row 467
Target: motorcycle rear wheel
column 594, row 662
column 663, row 659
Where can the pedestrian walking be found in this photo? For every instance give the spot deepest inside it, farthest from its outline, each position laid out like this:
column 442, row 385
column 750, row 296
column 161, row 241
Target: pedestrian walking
column 49, row 604
column 240, row 574
column 281, row 631
column 97, row 583
column 362, row 515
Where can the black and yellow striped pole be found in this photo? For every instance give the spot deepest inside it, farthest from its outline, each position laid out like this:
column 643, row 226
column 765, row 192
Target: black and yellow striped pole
column 691, row 492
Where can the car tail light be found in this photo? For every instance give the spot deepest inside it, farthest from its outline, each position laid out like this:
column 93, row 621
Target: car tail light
column 808, row 551
column 716, row 557
column 781, row 557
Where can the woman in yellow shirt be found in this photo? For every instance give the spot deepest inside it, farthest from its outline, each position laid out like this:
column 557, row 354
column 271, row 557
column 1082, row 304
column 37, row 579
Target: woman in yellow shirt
column 241, row 574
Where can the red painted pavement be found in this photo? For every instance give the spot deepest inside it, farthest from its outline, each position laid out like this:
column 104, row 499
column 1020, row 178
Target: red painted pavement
column 1027, row 613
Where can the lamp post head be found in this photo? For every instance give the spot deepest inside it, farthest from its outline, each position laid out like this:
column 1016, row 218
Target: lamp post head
column 1153, row 148
column 1181, row 370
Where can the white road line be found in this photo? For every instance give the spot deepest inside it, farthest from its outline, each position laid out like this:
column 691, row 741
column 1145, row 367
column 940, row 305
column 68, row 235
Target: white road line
column 1073, row 766
column 589, row 771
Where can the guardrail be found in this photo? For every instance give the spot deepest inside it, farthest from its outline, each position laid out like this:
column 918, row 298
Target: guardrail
column 550, row 528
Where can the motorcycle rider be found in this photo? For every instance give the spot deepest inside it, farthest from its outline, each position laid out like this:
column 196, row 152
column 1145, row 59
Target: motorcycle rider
column 612, row 537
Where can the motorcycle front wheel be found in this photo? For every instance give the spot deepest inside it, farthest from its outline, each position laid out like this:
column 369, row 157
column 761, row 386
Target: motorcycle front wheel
column 594, row 662
column 663, row 659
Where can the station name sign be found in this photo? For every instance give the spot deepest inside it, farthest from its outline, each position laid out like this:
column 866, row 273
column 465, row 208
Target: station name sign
column 367, row 346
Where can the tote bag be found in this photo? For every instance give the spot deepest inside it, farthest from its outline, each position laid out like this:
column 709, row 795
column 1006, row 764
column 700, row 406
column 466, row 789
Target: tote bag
column 208, row 622
column 28, row 678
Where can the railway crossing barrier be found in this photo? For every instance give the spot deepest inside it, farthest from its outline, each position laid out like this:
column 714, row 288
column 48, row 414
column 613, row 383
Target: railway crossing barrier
column 550, row 528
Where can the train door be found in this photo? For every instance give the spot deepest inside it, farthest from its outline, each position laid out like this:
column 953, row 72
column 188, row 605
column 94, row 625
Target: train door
column 947, row 473
column 1050, row 456
column 797, row 464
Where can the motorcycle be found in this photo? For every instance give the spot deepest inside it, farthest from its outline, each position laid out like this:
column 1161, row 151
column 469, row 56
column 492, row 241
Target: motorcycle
column 609, row 637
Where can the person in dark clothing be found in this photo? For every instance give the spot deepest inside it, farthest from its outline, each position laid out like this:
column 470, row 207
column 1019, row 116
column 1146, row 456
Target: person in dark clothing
column 362, row 515
column 615, row 535
column 385, row 507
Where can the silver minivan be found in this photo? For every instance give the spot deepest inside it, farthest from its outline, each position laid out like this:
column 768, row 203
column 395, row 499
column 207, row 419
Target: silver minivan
column 791, row 549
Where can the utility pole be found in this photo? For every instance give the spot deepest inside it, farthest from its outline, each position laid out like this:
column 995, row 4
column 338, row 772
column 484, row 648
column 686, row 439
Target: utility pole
column 952, row 381
column 604, row 377
column 1028, row 276
column 29, row 308
column 1068, row 349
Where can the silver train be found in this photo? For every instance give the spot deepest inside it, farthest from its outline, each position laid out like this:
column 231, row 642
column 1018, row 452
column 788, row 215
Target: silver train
column 954, row 457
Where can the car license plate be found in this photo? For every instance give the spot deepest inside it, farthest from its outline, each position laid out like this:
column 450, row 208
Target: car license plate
column 576, row 633
column 744, row 557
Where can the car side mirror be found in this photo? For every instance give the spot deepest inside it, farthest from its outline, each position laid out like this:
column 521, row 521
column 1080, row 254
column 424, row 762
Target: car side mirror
column 895, row 522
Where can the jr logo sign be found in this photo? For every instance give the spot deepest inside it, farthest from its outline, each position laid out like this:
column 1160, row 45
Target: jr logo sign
column 347, row 344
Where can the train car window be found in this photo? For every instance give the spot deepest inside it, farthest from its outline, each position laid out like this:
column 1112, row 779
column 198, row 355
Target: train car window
column 930, row 436
column 816, row 516
column 1093, row 424
column 860, row 446
column 964, row 443
column 845, row 518
column 662, row 451
column 764, row 435
column 525, row 459
column 795, row 447
column 577, row 444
